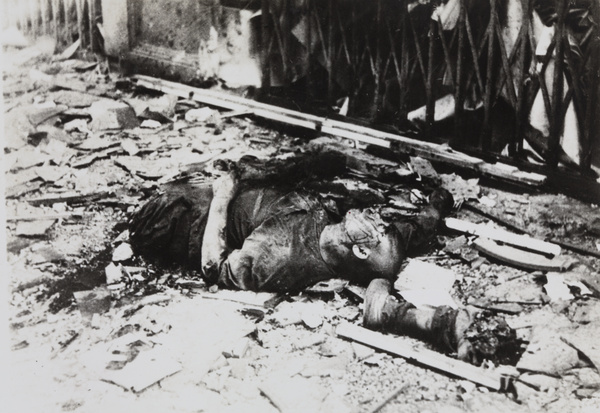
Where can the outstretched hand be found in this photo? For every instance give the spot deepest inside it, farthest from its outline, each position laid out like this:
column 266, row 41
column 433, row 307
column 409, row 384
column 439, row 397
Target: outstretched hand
column 226, row 185
column 214, row 242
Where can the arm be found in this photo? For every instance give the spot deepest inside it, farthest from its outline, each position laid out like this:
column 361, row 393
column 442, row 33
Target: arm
column 214, row 242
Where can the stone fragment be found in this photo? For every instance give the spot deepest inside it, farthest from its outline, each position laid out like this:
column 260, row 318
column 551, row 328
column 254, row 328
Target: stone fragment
column 150, row 124
column 122, row 253
column 113, row 273
column 201, row 115
column 34, row 228
column 110, row 115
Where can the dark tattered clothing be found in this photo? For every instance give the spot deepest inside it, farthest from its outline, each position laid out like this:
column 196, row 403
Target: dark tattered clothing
column 273, row 236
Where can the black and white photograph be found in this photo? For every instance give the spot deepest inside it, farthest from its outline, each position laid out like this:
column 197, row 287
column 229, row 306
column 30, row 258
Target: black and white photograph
column 285, row 206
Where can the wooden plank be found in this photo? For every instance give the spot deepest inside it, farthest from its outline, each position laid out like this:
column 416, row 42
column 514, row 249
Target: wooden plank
column 520, row 258
column 521, row 241
column 429, row 358
column 347, row 130
column 571, row 247
column 43, row 217
column 70, row 198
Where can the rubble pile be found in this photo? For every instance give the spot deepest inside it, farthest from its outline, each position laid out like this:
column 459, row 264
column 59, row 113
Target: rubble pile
column 95, row 327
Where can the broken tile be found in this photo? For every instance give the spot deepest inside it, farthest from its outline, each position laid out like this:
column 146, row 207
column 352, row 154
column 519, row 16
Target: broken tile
column 111, row 115
column 20, row 177
column 84, row 66
column 150, row 124
column 97, row 142
column 54, row 133
column 79, row 125
column 201, row 115
column 556, row 288
column 148, row 114
column 74, row 99
column 148, row 368
column 130, row 147
column 122, row 253
column 38, row 115
column 26, row 158
column 51, row 173
column 34, row 228
column 312, row 319
column 310, row 341
column 113, row 273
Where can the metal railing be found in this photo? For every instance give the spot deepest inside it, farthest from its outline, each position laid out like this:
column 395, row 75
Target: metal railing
column 390, row 57
column 64, row 20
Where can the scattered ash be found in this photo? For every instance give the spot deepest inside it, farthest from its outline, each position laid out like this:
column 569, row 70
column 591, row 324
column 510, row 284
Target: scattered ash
column 77, row 277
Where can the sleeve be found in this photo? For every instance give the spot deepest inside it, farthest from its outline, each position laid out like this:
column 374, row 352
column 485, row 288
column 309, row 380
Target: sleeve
column 260, row 258
column 236, row 272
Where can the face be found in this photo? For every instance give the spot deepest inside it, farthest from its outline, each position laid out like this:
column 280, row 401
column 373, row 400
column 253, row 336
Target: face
column 370, row 242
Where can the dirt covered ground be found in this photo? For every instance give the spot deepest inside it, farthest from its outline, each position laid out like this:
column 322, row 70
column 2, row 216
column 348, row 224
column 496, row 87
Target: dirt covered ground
column 93, row 328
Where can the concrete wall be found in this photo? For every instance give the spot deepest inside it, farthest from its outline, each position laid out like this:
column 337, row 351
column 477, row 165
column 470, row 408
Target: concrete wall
column 199, row 39
column 116, row 27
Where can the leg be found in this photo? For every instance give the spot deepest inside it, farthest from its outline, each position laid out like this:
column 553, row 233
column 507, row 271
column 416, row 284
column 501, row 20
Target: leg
column 442, row 326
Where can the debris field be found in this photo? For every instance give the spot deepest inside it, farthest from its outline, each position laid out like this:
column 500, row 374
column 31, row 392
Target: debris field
column 95, row 328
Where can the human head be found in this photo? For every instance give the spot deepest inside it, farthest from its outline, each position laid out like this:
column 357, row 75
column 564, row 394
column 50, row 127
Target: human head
column 362, row 246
